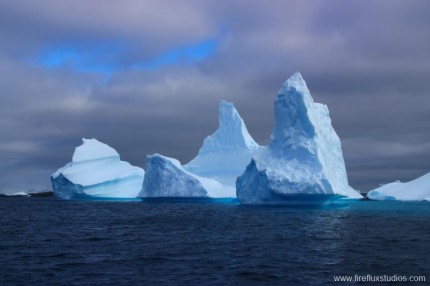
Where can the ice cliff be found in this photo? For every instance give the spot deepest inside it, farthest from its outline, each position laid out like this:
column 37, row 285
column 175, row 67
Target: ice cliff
column 97, row 171
column 303, row 158
column 415, row 190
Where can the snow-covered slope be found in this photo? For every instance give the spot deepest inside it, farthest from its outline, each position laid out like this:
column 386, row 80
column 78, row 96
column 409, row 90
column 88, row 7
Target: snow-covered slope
column 415, row 190
column 165, row 177
column 225, row 154
column 97, row 171
column 303, row 157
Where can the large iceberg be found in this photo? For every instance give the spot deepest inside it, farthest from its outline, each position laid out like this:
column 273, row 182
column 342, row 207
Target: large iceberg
column 303, row 161
column 165, row 177
column 97, row 171
column 415, row 190
column 225, row 154
column 213, row 172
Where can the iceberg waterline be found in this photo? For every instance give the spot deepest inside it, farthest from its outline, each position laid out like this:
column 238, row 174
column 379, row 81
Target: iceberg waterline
column 303, row 160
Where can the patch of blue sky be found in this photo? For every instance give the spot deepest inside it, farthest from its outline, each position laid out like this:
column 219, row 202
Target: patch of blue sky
column 200, row 51
column 105, row 58
column 58, row 57
column 94, row 58
column 184, row 55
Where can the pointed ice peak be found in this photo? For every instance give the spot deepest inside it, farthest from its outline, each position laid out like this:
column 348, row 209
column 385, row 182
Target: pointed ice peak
column 231, row 132
column 93, row 149
column 294, row 109
column 296, row 77
column 226, row 110
column 294, row 83
column 225, row 154
column 225, row 103
column 228, row 117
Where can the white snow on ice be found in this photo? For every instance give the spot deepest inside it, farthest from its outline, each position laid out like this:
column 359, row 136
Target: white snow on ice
column 415, row 190
column 96, row 170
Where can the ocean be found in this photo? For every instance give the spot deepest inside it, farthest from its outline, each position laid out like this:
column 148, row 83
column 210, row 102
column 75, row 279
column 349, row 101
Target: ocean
column 44, row 241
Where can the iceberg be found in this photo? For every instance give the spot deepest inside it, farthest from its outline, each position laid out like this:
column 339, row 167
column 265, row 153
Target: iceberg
column 166, row 178
column 225, row 154
column 213, row 172
column 415, row 190
column 97, row 171
column 303, row 162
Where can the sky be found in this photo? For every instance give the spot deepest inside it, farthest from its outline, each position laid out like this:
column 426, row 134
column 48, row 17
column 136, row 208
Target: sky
column 147, row 76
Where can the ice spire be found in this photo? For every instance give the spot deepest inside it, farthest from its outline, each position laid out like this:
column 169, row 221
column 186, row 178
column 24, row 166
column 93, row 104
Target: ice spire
column 304, row 155
column 227, row 151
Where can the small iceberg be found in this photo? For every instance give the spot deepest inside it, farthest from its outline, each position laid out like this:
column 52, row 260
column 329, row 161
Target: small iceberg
column 415, row 190
column 96, row 171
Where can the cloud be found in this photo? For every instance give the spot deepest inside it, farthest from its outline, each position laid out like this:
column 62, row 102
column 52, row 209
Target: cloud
column 146, row 76
column 19, row 147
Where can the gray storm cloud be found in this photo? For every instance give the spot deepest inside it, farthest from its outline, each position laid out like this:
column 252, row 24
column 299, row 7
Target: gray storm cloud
column 369, row 61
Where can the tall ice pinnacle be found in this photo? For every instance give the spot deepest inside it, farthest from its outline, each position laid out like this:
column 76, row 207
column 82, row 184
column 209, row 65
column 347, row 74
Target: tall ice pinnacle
column 303, row 157
column 231, row 134
column 292, row 105
column 227, row 151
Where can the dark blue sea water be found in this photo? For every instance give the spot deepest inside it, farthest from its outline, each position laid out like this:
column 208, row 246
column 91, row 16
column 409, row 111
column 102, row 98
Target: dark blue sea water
column 44, row 241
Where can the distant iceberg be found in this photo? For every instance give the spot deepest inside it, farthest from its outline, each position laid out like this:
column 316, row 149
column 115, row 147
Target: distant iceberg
column 97, row 171
column 16, row 194
column 166, row 178
column 225, row 154
column 303, row 160
column 415, row 190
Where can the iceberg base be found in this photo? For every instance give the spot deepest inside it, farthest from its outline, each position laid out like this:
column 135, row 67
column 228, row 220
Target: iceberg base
column 299, row 200
column 190, row 200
